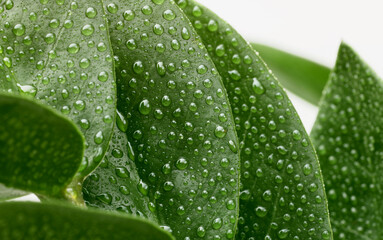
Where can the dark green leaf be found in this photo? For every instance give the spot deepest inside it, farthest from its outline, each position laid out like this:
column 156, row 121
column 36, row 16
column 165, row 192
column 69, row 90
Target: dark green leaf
column 59, row 52
column 303, row 77
column 9, row 193
column 179, row 129
column 348, row 137
column 40, row 150
column 35, row 221
column 282, row 194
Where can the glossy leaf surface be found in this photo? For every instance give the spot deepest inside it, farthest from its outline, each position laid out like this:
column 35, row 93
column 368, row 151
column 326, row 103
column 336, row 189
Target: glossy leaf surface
column 282, row 193
column 178, row 125
column 303, row 77
column 348, row 137
column 35, row 221
column 59, row 52
column 40, row 150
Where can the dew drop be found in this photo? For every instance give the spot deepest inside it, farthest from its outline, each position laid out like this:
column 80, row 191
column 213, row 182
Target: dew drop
column 185, row 33
column 18, row 29
column 220, row 132
column 27, row 90
column 105, row 198
column 112, row 8
column 168, row 186
column 129, row 15
column 147, row 10
column 283, row 233
column 84, row 123
column 144, row 107
column 7, row 61
column 181, row 163
column 91, row 12
column 143, row 188
column 261, row 211
column 122, row 172
column 258, row 87
column 158, row 29
column 79, row 105
column 87, row 30
column 73, row 48
column 169, row 15
column 297, row 135
column 217, row 223
column 307, row 169
column 99, row 137
column 138, row 67
column 122, row 124
column 201, row 231
column 103, row 76
column 212, row 26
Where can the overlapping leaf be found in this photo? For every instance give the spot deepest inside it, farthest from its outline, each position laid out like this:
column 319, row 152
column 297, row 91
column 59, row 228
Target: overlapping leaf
column 178, row 128
column 40, row 150
column 59, row 52
column 282, row 195
column 348, row 137
column 35, row 221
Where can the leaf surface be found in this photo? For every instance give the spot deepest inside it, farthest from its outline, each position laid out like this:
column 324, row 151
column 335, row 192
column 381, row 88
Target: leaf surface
column 179, row 128
column 303, row 77
column 282, row 193
column 59, row 52
column 40, row 150
column 57, row 221
column 348, row 137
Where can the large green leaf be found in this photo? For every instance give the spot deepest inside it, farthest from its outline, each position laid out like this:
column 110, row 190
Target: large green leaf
column 40, row 150
column 36, row 221
column 282, row 194
column 303, row 77
column 59, row 52
column 348, row 137
column 179, row 130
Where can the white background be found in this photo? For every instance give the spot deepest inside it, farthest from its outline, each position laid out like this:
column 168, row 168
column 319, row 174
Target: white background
column 312, row 29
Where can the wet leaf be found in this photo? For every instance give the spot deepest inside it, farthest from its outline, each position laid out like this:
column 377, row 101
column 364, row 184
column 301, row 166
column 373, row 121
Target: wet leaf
column 59, row 52
column 178, row 126
column 303, row 77
column 282, row 193
column 36, row 221
column 40, row 150
column 348, row 139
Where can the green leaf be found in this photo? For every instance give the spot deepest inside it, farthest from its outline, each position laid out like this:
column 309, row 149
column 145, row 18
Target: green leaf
column 59, row 52
column 282, row 194
column 303, row 77
column 40, row 150
column 348, row 139
column 36, row 221
column 7, row 78
column 179, row 129
column 9, row 193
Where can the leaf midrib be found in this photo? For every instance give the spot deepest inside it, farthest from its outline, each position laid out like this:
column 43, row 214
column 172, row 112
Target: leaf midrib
column 54, row 46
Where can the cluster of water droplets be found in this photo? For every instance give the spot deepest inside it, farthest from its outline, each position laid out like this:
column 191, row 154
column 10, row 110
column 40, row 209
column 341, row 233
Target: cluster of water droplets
column 347, row 139
column 173, row 110
column 62, row 57
column 279, row 173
